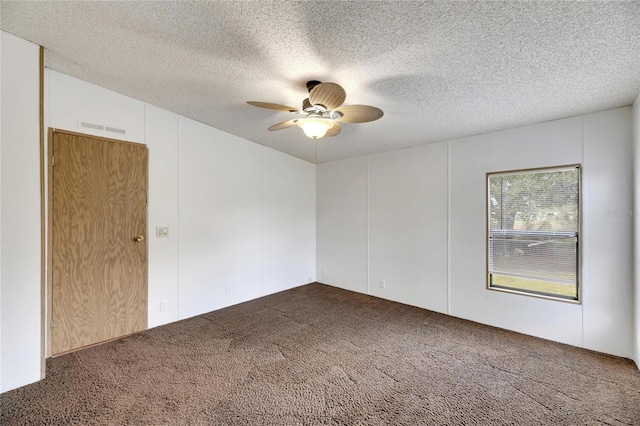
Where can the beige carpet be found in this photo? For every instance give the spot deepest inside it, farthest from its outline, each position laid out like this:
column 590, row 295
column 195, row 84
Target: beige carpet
column 317, row 355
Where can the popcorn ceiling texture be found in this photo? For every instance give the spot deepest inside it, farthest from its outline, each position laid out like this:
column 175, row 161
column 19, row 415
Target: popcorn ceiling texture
column 439, row 70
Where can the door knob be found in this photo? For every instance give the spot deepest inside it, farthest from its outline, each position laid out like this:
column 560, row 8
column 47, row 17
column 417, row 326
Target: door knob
column 138, row 238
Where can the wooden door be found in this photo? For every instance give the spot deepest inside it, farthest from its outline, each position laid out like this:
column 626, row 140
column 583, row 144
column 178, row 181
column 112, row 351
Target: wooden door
column 99, row 247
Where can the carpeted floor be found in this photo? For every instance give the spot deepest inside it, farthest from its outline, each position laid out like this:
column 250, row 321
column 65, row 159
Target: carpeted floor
column 321, row 355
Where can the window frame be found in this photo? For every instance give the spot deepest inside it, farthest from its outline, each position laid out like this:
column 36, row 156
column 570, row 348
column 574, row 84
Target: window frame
column 579, row 236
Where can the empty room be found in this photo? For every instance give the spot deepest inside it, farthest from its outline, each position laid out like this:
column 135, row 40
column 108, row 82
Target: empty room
column 319, row 213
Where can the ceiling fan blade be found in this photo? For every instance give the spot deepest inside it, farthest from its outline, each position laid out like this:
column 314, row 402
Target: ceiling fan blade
column 359, row 113
column 269, row 105
column 331, row 95
column 283, row 125
column 337, row 128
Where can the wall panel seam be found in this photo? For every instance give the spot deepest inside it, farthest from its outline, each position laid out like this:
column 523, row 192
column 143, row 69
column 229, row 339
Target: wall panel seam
column 368, row 228
column 178, row 209
column 582, row 226
column 448, row 279
column 262, row 221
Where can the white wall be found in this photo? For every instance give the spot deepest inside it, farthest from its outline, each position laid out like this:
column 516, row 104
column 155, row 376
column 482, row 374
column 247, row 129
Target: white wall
column 342, row 224
column 288, row 222
column 402, row 238
column 71, row 100
column 220, row 219
column 608, row 237
column 20, row 212
column 247, row 220
column 636, row 216
column 1, row 208
column 161, row 136
column 423, row 202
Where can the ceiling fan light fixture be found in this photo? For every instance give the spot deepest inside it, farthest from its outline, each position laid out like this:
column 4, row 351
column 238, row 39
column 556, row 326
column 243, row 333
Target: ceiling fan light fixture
column 323, row 111
column 315, row 127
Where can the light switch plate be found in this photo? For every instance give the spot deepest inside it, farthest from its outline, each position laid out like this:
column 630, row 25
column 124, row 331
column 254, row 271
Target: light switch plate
column 162, row 232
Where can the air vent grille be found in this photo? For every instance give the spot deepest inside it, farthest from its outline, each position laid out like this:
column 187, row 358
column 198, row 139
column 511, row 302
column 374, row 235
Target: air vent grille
column 114, row 130
column 86, row 124
column 93, row 126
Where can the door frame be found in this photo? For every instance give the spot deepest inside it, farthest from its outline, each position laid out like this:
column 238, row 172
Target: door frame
column 43, row 220
column 48, row 275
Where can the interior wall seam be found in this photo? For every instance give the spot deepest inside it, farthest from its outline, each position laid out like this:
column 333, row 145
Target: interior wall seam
column 178, row 209
column 262, row 221
column 448, row 279
column 582, row 292
column 368, row 230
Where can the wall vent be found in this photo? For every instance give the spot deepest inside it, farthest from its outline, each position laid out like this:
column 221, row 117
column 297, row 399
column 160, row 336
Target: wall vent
column 87, row 124
column 114, row 130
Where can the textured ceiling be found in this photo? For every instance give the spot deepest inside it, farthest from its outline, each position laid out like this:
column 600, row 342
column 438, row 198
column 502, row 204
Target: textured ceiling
column 439, row 70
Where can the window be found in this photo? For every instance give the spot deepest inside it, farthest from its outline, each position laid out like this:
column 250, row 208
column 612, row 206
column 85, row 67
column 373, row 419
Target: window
column 533, row 232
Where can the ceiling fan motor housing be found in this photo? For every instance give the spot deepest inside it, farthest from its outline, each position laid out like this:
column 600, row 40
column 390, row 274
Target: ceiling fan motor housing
column 306, row 105
column 317, row 107
column 311, row 84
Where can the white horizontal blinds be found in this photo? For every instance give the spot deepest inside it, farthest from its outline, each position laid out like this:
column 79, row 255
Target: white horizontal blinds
column 543, row 258
column 533, row 225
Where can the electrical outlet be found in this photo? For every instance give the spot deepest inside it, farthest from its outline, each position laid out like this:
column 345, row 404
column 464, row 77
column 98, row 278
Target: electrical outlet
column 227, row 291
column 382, row 284
column 163, row 306
column 324, row 272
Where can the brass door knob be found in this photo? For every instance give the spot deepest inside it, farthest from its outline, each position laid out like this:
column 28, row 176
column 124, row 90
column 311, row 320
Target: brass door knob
column 138, row 238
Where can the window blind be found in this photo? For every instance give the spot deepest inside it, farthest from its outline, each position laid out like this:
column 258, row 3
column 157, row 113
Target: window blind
column 533, row 225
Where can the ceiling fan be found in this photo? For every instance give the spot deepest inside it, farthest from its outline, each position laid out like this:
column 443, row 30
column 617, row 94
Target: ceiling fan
column 322, row 112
